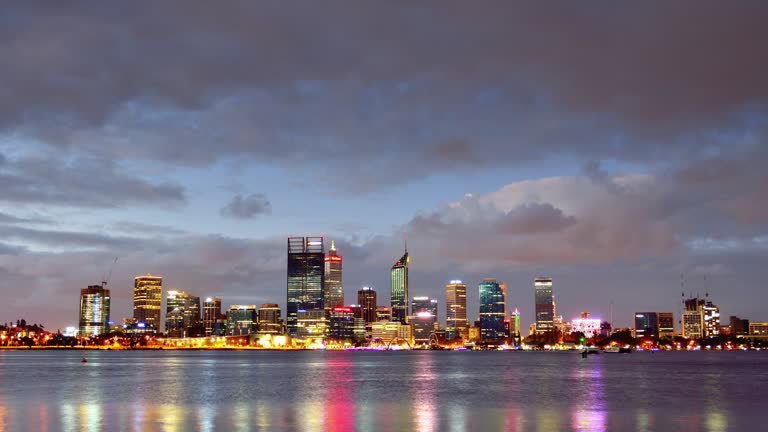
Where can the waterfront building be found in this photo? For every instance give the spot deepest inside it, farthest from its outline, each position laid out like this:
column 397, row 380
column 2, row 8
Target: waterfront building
column 646, row 324
column 456, row 323
column 311, row 325
column 388, row 331
column 589, row 327
column 492, row 311
column 342, row 324
column 366, row 298
column 514, row 331
column 147, row 300
column 269, row 319
column 182, row 314
column 211, row 313
column 711, row 319
column 422, row 326
column 94, row 310
column 666, row 324
column 334, row 290
column 425, row 304
column 758, row 329
column 739, row 326
column 241, row 320
column 399, row 288
column 693, row 318
column 383, row 313
column 306, row 279
column 545, row 305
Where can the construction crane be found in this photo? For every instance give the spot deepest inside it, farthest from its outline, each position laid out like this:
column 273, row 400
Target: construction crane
column 105, row 280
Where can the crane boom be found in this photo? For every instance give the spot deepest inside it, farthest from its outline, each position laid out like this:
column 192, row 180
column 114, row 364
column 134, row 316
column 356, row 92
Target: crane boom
column 109, row 275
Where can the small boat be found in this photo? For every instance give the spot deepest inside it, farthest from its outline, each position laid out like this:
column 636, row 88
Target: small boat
column 84, row 360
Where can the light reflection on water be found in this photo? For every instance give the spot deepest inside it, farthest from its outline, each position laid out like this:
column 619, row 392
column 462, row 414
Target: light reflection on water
column 421, row 391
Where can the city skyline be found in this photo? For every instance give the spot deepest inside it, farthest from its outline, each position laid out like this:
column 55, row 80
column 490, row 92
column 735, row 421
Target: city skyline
column 191, row 145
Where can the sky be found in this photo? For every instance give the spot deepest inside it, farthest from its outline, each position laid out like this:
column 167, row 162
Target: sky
column 616, row 147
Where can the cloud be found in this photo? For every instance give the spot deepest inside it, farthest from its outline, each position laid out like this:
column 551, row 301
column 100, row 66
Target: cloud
column 247, row 207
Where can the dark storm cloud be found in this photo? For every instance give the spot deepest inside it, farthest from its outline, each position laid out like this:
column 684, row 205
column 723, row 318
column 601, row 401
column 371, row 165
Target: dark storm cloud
column 446, row 84
column 82, row 182
column 247, row 207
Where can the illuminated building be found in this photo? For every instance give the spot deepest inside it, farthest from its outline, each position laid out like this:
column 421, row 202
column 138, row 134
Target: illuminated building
column 387, row 331
column 311, row 325
column 383, row 313
column 306, row 279
column 342, row 324
column 94, row 310
column 182, row 314
column 211, row 314
column 711, row 319
column 269, row 319
column 334, row 291
column 399, row 288
column 492, row 311
column 589, row 327
column 366, row 298
column 425, row 304
column 456, row 323
column 515, row 327
column 241, row 320
column 693, row 318
column 422, row 325
column 147, row 300
column 739, row 326
column 758, row 329
column 646, row 324
column 666, row 325
column 545, row 305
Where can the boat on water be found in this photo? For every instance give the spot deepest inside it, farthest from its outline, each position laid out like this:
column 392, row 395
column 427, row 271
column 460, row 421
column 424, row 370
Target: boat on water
column 615, row 349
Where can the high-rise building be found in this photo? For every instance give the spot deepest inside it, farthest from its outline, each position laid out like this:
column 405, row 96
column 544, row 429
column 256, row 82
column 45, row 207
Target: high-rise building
column 342, row 324
column 306, row 279
column 666, row 324
column 269, row 319
column 456, row 323
column 334, row 290
column 182, row 314
column 492, row 311
column 545, row 305
column 693, row 318
column 514, row 332
column 739, row 326
column 399, row 288
column 383, row 313
column 711, row 319
column 94, row 310
column 366, row 298
column 147, row 300
column 211, row 313
column 646, row 324
column 419, row 305
column 241, row 320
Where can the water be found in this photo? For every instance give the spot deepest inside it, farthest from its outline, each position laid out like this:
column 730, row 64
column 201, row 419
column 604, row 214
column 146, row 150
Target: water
column 381, row 391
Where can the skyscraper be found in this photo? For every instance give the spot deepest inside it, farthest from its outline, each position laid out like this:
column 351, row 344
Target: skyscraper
column 241, row 320
column 666, row 324
column 419, row 305
column 211, row 313
column 711, row 319
column 306, row 279
column 94, row 310
column 492, row 311
column 693, row 318
column 182, row 314
column 646, row 324
column 334, row 291
column 456, row 323
column 399, row 288
column 269, row 319
column 147, row 300
column 366, row 298
column 545, row 305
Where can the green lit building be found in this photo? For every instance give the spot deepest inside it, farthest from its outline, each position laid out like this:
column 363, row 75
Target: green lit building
column 399, row 289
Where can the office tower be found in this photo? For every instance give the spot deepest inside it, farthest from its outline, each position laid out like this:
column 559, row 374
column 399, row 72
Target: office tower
column 311, row 325
column 693, row 318
column 739, row 326
column 366, row 298
column 269, row 319
column 456, row 323
column 147, row 300
column 711, row 319
column 306, row 279
column 399, row 289
column 545, row 305
column 342, row 324
column 646, row 324
column 182, row 314
column 383, row 313
column 419, row 305
column 492, row 311
column 211, row 313
column 94, row 310
column 334, row 291
column 515, row 327
column 666, row 324
column 241, row 320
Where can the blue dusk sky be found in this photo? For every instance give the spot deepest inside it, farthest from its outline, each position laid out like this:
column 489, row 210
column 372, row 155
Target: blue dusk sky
column 612, row 146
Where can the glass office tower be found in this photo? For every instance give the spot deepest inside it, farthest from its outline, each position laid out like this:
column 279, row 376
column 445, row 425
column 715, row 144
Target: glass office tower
column 147, row 299
column 94, row 310
column 334, row 291
column 456, row 323
column 399, row 289
column 492, row 311
column 306, row 279
column 545, row 305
